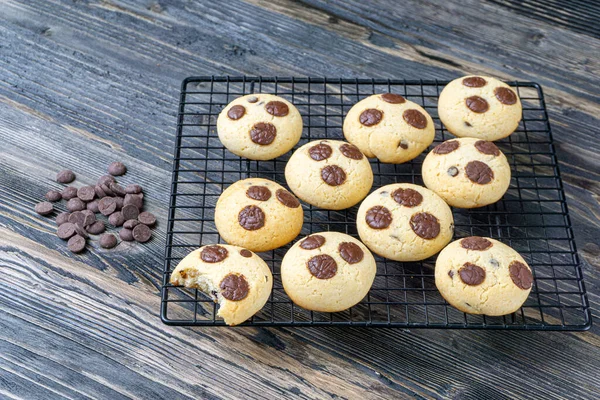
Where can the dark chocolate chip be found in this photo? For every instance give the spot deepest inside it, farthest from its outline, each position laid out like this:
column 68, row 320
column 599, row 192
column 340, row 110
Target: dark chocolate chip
column 108, row 241
column 116, row 219
column 407, row 197
column 251, row 218
column 277, row 108
column 44, row 208
column 468, row 124
column 446, row 147
column 65, row 230
column 117, row 168
column 333, row 175
column 425, row 225
column 236, row 112
column 99, row 192
column 415, row 118
column 312, row 242
column 53, row 195
column 213, row 253
column 252, row 99
column 320, row 152
column 106, row 189
column 474, row 81
column 351, row 252
column 65, row 176
column 245, row 253
column 69, row 193
column 403, row 144
column 370, row 117
column 80, row 230
column 119, row 201
column 96, row 228
column 133, row 189
column 130, row 212
column 351, row 151
column 392, row 98
column 75, row 204
column 378, row 217
column 62, row 218
column 475, row 243
column 505, row 96
column 520, row 275
column 477, row 104
column 479, row 172
column 234, row 287
column 471, row 274
column 451, row 274
column 287, row 199
column 141, row 233
column 105, row 180
column 452, row 171
column 322, row 266
column 147, row 218
column 76, row 244
column 126, row 235
column 263, row 133
column 259, row 193
column 131, row 223
column 77, row 218
column 86, row 193
column 134, row 199
column 89, row 217
column 486, row 147
column 107, row 206
column 117, row 189
column 92, row 206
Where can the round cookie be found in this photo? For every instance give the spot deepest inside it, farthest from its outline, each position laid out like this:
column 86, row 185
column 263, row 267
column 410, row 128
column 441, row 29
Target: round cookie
column 389, row 127
column 480, row 275
column 328, row 272
column 259, row 126
column 258, row 214
column 329, row 174
column 467, row 172
column 237, row 279
column 479, row 107
column 404, row 222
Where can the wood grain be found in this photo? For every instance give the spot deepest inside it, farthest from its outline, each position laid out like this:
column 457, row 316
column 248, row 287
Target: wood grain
column 87, row 82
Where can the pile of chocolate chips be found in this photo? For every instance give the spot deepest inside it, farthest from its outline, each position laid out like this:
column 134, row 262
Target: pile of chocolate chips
column 121, row 205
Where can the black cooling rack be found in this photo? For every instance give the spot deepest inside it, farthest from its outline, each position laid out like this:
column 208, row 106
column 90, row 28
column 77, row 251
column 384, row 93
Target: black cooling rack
column 532, row 217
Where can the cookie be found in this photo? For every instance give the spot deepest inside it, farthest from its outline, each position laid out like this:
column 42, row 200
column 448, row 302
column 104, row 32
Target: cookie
column 237, row 279
column 480, row 275
column 259, row 126
column 327, row 271
column 258, row 214
column 467, row 172
column 389, row 127
column 329, row 174
column 479, row 107
column 404, row 222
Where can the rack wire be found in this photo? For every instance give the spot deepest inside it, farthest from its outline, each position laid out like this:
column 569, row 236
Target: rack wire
column 532, row 217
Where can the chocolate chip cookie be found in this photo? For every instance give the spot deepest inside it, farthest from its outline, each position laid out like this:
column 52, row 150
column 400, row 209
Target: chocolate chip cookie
column 327, row 271
column 389, row 127
column 480, row 275
column 258, row 214
column 329, row 174
column 259, row 126
column 467, row 172
column 479, row 107
column 404, row 222
column 237, row 279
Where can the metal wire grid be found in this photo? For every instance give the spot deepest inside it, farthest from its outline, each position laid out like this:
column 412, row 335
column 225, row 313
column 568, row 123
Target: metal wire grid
column 532, row 217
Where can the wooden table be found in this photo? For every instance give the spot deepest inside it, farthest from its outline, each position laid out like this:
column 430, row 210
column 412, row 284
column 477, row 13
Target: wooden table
column 87, row 82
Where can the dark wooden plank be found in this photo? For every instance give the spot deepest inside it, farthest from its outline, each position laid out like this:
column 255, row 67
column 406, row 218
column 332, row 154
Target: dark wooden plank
column 83, row 83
